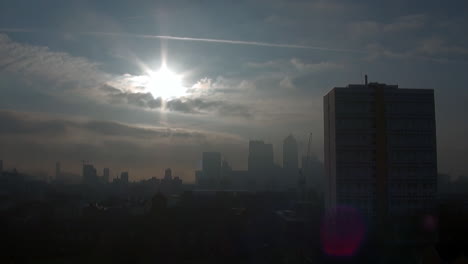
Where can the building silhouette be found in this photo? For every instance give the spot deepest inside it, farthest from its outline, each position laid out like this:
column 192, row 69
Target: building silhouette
column 168, row 174
column 260, row 163
column 105, row 175
column 198, row 177
column 89, row 174
column 226, row 175
column 1, row 167
column 290, row 153
column 124, row 177
column 380, row 149
column 170, row 184
column 211, row 169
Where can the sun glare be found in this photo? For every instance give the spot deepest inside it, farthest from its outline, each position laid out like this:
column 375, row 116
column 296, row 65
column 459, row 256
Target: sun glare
column 165, row 83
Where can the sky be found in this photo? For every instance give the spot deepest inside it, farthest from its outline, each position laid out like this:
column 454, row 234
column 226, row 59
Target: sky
column 77, row 78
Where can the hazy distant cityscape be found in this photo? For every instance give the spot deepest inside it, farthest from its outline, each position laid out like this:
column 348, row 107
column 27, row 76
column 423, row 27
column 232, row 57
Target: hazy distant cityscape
column 216, row 131
column 378, row 190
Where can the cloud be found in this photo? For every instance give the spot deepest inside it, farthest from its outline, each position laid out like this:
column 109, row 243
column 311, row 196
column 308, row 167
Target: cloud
column 198, row 105
column 17, row 123
column 288, row 73
column 406, row 23
column 287, row 83
column 138, row 99
column 192, row 104
column 59, row 69
column 370, row 28
column 435, row 46
column 83, row 77
column 298, row 65
column 37, row 141
column 434, row 50
column 195, row 39
column 220, row 86
column 314, row 67
column 262, row 65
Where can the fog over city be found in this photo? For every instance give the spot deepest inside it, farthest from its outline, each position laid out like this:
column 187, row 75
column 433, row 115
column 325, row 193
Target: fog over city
column 142, row 87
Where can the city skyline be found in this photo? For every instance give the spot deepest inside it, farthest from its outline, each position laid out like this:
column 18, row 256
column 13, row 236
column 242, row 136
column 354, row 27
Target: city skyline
column 250, row 131
column 135, row 88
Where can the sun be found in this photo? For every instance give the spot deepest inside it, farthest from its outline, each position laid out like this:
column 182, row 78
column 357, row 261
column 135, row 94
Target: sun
column 165, row 84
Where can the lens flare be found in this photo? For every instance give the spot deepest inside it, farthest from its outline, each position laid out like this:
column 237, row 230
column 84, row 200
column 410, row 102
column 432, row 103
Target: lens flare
column 342, row 232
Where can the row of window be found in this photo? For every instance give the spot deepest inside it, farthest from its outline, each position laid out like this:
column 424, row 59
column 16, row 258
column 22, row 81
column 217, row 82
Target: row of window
column 364, row 172
column 364, row 188
column 346, row 139
column 410, row 124
column 355, row 123
column 409, row 107
column 355, row 107
column 412, row 156
column 355, row 155
column 422, row 124
column 411, row 140
column 413, row 172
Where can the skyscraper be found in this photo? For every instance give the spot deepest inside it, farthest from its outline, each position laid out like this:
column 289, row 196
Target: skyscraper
column 380, row 149
column 124, row 177
column 168, row 174
column 89, row 174
column 290, row 153
column 1, row 167
column 260, row 163
column 211, row 168
column 106, row 175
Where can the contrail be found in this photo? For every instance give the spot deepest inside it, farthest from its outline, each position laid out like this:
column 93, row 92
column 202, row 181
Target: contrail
column 225, row 41
column 210, row 40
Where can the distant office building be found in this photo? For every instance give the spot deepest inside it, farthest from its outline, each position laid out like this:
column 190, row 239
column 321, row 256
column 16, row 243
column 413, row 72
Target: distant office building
column 57, row 170
column 226, row 179
column 290, row 153
column 260, row 163
column 170, row 184
column 124, row 177
column 211, row 168
column 380, row 149
column 177, row 182
column 260, row 156
column 1, row 167
column 89, row 174
column 106, row 175
column 198, row 177
column 312, row 169
column 168, row 174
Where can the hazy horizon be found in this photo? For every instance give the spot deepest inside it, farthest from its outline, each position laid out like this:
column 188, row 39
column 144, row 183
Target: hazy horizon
column 83, row 81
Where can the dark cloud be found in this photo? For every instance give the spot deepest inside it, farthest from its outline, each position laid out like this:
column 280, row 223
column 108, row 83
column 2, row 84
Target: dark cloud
column 121, row 130
column 198, row 105
column 14, row 123
column 18, row 124
column 36, row 141
column 183, row 105
column 143, row 100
